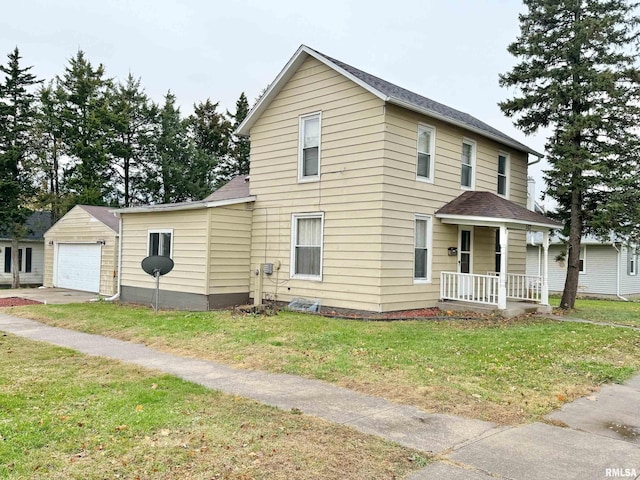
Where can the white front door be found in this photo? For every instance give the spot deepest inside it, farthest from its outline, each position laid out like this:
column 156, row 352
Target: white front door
column 465, row 260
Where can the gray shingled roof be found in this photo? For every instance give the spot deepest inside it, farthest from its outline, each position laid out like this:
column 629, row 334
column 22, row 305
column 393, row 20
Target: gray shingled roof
column 489, row 205
column 104, row 215
column 420, row 102
column 37, row 223
column 237, row 187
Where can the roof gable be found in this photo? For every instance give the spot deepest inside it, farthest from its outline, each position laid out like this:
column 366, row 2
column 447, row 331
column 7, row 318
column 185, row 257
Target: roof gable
column 103, row 215
column 382, row 89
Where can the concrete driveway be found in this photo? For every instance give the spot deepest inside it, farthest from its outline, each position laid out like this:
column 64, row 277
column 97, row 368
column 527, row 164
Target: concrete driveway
column 49, row 295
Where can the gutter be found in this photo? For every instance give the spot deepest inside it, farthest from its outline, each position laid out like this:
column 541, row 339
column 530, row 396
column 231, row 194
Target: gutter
column 538, row 160
column 618, row 260
column 505, row 141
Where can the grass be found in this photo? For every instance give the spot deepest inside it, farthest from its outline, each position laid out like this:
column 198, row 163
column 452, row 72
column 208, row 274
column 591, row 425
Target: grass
column 610, row 311
column 67, row 416
column 504, row 371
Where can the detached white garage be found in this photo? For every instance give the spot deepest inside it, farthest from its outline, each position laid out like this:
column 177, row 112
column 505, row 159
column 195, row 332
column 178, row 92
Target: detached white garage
column 81, row 251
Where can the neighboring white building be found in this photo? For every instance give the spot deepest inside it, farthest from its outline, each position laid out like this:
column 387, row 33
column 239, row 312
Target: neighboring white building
column 606, row 268
column 30, row 252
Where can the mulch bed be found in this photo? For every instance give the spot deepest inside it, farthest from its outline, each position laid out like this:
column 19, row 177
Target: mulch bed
column 17, row 302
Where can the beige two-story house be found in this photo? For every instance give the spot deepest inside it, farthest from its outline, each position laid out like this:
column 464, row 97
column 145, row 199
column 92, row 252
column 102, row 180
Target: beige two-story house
column 364, row 195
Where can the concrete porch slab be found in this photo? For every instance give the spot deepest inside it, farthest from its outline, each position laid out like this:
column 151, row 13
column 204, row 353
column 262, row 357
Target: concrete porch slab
column 513, row 309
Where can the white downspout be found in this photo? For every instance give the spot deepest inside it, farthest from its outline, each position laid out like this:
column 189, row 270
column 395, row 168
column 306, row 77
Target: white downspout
column 117, row 295
column 619, row 259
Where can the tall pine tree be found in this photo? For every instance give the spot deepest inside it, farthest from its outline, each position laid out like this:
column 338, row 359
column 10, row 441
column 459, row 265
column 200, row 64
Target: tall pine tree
column 50, row 149
column 17, row 116
column 211, row 133
column 167, row 176
column 132, row 119
column 577, row 73
column 87, row 131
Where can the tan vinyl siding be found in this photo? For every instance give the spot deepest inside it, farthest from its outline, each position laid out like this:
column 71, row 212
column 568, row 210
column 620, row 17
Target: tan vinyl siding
column 230, row 249
column 78, row 226
column 349, row 192
column 189, row 241
column 405, row 196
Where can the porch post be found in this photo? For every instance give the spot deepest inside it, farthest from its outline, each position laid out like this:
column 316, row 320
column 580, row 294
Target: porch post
column 502, row 286
column 544, row 293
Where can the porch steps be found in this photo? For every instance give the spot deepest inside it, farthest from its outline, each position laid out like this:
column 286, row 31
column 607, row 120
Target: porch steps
column 513, row 308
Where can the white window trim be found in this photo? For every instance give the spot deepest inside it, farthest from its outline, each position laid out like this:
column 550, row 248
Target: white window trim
column 473, row 145
column 429, row 278
column 432, row 152
column 294, row 231
column 507, row 174
column 160, row 230
column 301, row 119
column 583, row 257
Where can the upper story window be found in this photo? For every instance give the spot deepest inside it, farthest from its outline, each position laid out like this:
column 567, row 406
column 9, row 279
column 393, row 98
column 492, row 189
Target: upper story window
column 160, row 242
column 306, row 245
column 422, row 247
column 467, row 173
column 503, row 174
column 426, row 147
column 309, row 147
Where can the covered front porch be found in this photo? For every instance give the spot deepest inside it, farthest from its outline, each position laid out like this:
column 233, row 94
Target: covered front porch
column 485, row 223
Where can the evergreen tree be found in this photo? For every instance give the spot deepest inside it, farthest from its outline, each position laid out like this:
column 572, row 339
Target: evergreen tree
column 577, row 74
column 87, row 131
column 132, row 119
column 17, row 115
column 211, row 132
column 167, row 177
column 50, row 149
column 240, row 146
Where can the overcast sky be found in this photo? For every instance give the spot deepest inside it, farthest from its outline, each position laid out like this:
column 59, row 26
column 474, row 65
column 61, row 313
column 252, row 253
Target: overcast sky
column 448, row 50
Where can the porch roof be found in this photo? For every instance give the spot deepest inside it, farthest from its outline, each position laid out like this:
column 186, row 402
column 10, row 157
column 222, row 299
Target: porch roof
column 489, row 209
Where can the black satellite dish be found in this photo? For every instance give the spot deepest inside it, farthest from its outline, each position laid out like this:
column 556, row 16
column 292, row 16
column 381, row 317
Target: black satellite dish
column 156, row 266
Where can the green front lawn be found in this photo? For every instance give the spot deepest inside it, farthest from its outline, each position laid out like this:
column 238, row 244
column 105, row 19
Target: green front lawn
column 64, row 415
column 505, row 371
column 610, row 311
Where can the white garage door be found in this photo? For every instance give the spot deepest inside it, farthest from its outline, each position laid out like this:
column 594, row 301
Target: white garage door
column 78, row 266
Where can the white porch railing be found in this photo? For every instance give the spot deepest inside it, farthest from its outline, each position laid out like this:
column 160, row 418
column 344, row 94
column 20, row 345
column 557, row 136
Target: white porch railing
column 470, row 287
column 524, row 287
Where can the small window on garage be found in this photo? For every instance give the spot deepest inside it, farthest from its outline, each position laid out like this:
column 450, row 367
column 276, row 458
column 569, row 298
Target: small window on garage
column 160, row 243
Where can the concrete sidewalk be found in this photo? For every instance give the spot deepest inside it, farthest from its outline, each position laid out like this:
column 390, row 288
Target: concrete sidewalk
column 600, row 442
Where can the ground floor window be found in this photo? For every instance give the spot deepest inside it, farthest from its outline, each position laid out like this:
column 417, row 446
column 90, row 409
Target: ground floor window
column 160, row 243
column 306, row 245
column 632, row 261
column 25, row 256
column 422, row 248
